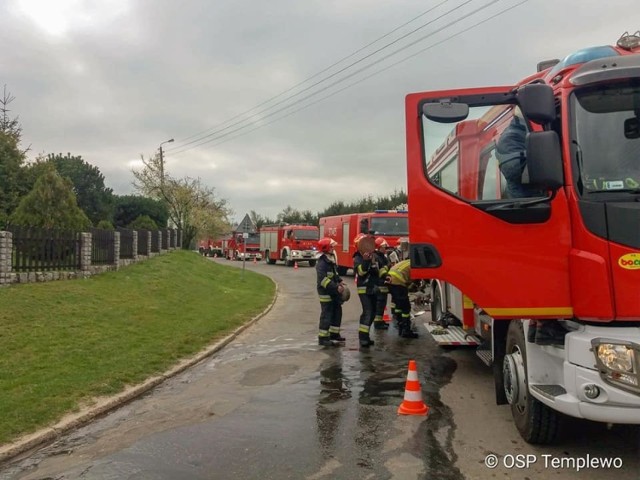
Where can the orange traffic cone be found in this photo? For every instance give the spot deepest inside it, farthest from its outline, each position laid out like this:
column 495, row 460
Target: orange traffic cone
column 412, row 403
column 385, row 316
column 295, row 266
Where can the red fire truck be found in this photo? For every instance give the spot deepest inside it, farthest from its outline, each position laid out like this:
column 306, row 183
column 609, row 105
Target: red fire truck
column 289, row 243
column 236, row 247
column 569, row 253
column 389, row 224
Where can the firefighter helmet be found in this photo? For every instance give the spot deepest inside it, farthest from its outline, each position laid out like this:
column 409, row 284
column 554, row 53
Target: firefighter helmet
column 326, row 244
column 381, row 243
column 359, row 237
column 402, row 240
column 346, row 294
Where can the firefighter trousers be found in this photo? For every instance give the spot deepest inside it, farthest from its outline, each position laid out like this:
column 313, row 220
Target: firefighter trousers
column 400, row 298
column 368, row 302
column 381, row 304
column 330, row 318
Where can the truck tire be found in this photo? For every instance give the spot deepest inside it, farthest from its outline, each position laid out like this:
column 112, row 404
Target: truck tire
column 537, row 423
column 312, row 263
column 436, row 303
column 268, row 258
column 287, row 262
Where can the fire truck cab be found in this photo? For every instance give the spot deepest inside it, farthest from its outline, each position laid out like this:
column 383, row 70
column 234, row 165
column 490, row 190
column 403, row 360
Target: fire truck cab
column 568, row 251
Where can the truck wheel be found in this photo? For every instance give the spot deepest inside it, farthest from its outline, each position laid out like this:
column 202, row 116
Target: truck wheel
column 287, row 262
column 537, row 423
column 436, row 303
column 312, row 263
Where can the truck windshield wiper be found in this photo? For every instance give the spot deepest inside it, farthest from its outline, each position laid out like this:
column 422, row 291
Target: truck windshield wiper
column 617, row 190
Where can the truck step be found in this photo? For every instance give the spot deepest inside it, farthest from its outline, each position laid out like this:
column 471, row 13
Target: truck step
column 549, row 391
column 485, row 355
column 455, row 336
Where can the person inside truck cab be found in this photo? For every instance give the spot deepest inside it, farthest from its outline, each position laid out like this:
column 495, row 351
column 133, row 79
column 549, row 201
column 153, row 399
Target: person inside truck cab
column 511, row 155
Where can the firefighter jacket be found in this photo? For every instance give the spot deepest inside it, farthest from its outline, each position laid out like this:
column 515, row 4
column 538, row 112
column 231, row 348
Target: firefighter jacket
column 366, row 271
column 327, row 279
column 383, row 270
column 400, row 273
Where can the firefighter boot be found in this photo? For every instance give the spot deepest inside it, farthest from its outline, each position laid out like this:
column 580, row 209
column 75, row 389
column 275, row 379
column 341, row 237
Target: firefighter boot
column 405, row 330
column 327, row 342
column 380, row 325
column 531, row 332
column 365, row 341
column 336, row 337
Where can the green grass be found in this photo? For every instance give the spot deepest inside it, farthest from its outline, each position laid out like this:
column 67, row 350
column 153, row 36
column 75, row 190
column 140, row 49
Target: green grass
column 64, row 343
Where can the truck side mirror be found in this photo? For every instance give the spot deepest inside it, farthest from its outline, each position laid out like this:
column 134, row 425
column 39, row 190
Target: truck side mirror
column 544, row 160
column 537, row 103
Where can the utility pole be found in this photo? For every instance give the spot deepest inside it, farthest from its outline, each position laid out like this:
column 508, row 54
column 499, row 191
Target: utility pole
column 162, row 164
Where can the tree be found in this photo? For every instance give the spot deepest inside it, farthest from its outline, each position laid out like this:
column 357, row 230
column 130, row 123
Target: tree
column 193, row 207
column 259, row 220
column 128, row 208
column 143, row 222
column 12, row 185
column 51, row 204
column 88, row 183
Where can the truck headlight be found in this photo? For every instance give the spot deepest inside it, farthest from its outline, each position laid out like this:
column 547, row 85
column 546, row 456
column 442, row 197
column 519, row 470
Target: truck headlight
column 617, row 362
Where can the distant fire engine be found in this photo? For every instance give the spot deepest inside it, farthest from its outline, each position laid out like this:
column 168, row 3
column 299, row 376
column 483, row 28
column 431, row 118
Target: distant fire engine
column 289, row 243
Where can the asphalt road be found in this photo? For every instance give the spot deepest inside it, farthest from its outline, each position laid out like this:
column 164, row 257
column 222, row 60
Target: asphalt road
column 274, row 405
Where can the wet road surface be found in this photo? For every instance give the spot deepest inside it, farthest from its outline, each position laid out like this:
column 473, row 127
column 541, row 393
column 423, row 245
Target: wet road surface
column 275, row 405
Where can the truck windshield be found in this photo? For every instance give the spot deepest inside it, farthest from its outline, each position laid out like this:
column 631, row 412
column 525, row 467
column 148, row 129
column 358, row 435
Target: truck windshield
column 396, row 226
column 253, row 238
column 306, row 234
column 606, row 139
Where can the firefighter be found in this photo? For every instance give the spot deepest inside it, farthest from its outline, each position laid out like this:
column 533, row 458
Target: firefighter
column 330, row 289
column 382, row 292
column 398, row 280
column 366, row 271
column 394, row 254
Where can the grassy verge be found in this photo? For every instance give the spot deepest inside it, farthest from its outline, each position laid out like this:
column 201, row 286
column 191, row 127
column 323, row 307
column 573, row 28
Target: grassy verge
column 64, row 343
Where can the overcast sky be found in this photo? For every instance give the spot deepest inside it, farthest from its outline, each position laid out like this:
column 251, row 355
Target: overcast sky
column 111, row 79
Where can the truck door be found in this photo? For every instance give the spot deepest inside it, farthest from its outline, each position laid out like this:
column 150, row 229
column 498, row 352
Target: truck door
column 506, row 249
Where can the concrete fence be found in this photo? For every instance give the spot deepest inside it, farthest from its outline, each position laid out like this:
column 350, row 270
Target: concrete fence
column 153, row 243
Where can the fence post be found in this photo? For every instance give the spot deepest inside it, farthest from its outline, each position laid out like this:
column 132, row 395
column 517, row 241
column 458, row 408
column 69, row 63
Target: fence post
column 85, row 254
column 6, row 247
column 179, row 235
column 159, row 242
column 135, row 245
column 149, row 243
column 116, row 249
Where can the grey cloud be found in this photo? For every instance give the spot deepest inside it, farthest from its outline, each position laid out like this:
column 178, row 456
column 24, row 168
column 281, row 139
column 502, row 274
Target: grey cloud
column 116, row 87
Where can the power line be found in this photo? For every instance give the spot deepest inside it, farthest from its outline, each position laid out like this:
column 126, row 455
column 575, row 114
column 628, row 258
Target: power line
column 355, row 73
column 215, row 132
column 312, row 76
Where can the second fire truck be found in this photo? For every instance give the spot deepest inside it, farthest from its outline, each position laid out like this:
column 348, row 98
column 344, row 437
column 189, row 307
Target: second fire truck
column 289, row 243
column 389, row 224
